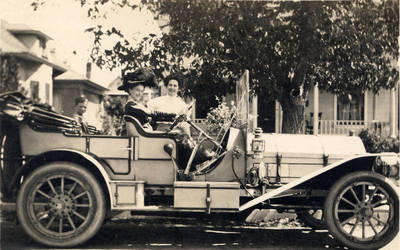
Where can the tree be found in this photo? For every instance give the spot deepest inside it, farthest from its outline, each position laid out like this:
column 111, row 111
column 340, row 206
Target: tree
column 113, row 121
column 288, row 47
column 8, row 74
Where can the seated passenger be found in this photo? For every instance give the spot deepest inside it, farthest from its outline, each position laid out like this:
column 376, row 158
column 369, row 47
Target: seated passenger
column 134, row 83
column 171, row 105
column 80, row 108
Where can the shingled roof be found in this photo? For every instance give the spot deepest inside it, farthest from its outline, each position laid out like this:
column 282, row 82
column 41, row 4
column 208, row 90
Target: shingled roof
column 9, row 44
column 71, row 75
column 19, row 28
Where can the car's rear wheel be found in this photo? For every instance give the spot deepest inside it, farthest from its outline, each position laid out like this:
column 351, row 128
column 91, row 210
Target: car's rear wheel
column 313, row 218
column 362, row 210
column 61, row 204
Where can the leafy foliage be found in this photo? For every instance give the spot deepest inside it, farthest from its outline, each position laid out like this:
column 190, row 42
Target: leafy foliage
column 8, row 73
column 287, row 46
column 221, row 117
column 113, row 122
column 373, row 143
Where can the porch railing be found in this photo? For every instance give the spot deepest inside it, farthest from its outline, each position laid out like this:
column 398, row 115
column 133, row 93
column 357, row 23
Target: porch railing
column 202, row 123
column 339, row 127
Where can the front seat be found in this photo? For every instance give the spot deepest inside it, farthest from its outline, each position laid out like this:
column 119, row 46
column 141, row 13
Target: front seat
column 150, row 144
column 134, row 128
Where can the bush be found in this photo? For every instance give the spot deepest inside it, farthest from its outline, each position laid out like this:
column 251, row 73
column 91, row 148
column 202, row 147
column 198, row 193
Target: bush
column 376, row 144
column 220, row 117
column 113, row 123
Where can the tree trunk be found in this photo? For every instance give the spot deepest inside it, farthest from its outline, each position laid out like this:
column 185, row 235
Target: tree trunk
column 293, row 115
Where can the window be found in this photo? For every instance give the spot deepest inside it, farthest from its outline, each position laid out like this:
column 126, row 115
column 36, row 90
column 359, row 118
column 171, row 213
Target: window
column 34, row 89
column 42, row 46
column 351, row 107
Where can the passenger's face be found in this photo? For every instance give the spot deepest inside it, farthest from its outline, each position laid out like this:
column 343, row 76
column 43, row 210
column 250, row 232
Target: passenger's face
column 173, row 87
column 81, row 108
column 136, row 93
column 146, row 98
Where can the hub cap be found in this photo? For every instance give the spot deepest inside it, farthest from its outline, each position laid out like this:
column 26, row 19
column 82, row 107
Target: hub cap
column 60, row 205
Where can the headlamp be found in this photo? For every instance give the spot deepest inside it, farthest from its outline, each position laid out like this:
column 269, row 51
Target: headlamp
column 388, row 165
column 257, row 145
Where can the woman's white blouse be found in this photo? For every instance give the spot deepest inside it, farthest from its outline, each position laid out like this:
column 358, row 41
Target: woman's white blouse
column 167, row 104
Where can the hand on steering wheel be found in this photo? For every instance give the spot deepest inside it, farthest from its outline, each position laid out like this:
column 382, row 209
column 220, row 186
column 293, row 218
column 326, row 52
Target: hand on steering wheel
column 177, row 120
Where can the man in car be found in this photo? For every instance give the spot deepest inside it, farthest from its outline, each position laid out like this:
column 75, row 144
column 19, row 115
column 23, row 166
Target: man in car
column 80, row 108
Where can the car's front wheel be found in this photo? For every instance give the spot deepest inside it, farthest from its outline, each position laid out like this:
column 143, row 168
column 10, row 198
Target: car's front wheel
column 362, row 210
column 61, row 204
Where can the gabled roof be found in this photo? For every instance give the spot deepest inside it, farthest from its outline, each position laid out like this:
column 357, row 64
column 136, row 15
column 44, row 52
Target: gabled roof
column 32, row 57
column 19, row 28
column 9, row 44
column 115, row 83
column 72, row 76
column 113, row 87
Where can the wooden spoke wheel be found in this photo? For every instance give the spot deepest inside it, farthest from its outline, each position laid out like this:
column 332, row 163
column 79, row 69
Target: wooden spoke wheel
column 362, row 210
column 61, row 204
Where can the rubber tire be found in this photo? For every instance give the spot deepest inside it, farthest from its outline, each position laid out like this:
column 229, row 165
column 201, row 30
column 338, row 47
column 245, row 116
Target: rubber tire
column 310, row 221
column 91, row 185
column 339, row 186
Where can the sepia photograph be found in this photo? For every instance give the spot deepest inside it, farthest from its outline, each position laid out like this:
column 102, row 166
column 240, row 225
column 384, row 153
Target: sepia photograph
column 199, row 124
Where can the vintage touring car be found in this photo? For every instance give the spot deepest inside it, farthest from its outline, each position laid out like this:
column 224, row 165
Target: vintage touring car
column 65, row 183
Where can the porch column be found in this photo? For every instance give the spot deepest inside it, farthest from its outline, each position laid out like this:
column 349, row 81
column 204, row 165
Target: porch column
column 392, row 112
column 316, row 110
column 366, row 109
column 335, row 107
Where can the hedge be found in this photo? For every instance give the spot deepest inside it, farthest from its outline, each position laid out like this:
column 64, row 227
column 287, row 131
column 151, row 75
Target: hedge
column 376, row 144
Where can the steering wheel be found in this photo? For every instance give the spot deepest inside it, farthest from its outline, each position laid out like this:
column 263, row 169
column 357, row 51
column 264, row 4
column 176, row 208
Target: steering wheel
column 177, row 120
column 182, row 117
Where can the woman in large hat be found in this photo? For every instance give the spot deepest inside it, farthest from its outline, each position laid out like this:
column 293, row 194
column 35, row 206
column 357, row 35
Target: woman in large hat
column 134, row 83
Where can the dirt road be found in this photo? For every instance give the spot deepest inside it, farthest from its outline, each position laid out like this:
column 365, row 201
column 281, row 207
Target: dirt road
column 145, row 233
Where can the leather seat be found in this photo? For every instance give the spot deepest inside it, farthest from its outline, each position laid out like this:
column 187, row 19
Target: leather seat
column 134, row 128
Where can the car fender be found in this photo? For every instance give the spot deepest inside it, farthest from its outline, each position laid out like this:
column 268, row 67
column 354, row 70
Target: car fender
column 324, row 176
column 93, row 164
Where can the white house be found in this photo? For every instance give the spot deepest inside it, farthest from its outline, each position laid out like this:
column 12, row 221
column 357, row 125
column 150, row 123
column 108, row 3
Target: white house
column 36, row 65
column 342, row 114
column 45, row 80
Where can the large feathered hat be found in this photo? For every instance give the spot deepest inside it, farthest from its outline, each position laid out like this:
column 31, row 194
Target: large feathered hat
column 144, row 76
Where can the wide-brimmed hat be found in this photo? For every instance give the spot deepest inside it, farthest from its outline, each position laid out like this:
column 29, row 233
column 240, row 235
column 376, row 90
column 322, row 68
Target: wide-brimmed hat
column 144, row 76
